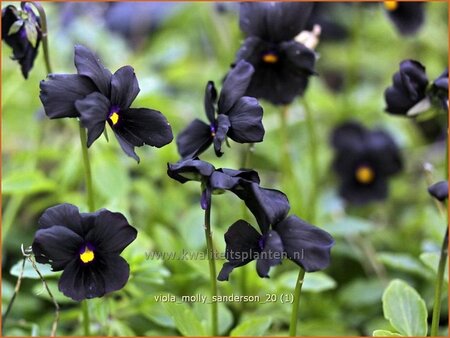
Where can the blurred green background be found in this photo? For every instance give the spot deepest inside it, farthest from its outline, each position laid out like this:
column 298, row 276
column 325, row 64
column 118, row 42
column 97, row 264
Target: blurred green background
column 190, row 44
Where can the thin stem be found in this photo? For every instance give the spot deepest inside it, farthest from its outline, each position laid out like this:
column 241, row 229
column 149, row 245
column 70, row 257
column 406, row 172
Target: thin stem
column 438, row 288
column 87, row 170
column 44, row 35
column 296, row 303
column 86, row 326
column 212, row 269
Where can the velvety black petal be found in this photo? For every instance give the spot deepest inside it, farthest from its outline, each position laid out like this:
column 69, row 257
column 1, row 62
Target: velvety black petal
column 439, row 89
column 115, row 273
column 127, row 147
column 57, row 245
column 88, row 64
column 228, row 179
column 124, row 87
column 242, row 247
column 194, row 139
column 274, row 21
column 300, row 58
column 60, row 91
column 245, row 174
column 385, row 152
column 408, row 17
column 439, row 190
column 64, row 214
column 234, row 86
column 190, row 170
column 210, row 101
column 442, row 81
column 94, row 110
column 223, row 125
column 358, row 194
column 246, row 121
column 271, row 253
column 112, row 233
column 305, row 244
column 348, row 135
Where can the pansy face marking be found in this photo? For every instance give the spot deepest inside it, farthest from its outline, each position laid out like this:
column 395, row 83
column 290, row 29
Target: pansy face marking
column 391, row 5
column 87, row 253
column 364, row 174
column 270, row 57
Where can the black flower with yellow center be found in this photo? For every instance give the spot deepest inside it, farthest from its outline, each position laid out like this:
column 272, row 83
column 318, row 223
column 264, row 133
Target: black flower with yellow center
column 282, row 65
column 87, row 247
column 364, row 160
column 238, row 117
column 408, row 17
column 21, row 30
column 98, row 97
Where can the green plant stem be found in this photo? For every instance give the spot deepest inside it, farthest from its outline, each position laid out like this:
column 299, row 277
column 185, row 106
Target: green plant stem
column 44, row 35
column 438, row 288
column 86, row 326
column 212, row 269
column 87, row 170
column 296, row 303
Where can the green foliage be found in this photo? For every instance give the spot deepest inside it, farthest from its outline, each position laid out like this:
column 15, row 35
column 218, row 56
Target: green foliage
column 254, row 327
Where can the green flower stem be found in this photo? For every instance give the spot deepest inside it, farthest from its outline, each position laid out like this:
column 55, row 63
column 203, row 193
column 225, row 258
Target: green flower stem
column 87, row 170
column 438, row 288
column 43, row 19
column 296, row 302
column 212, row 269
column 86, row 326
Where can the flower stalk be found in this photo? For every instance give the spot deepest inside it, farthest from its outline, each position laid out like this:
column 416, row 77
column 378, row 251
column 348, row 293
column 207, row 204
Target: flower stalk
column 296, row 303
column 43, row 19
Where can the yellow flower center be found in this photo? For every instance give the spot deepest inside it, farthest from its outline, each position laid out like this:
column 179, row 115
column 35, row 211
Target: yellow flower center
column 364, row 175
column 391, row 5
column 87, row 255
column 270, row 58
column 114, row 117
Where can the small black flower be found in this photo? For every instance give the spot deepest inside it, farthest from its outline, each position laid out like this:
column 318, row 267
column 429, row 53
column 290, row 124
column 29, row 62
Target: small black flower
column 439, row 90
column 239, row 117
column 21, row 30
column 87, row 247
column 96, row 96
column 282, row 65
column 439, row 190
column 306, row 245
column 363, row 161
column 408, row 89
column 408, row 17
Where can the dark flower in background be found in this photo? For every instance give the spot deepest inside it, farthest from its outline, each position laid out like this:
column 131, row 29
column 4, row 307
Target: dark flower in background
column 364, row 160
column 439, row 89
column 87, row 247
column 98, row 97
column 239, row 117
column 439, row 190
column 21, row 30
column 306, row 245
column 408, row 17
column 282, row 65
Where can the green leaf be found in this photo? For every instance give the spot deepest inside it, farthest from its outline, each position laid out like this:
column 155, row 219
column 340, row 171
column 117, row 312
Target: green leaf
column 185, row 320
column 385, row 333
column 348, row 226
column 405, row 309
column 32, row 33
column 29, row 271
column 431, row 259
column 402, row 262
column 15, row 27
column 26, row 182
column 204, row 312
column 252, row 327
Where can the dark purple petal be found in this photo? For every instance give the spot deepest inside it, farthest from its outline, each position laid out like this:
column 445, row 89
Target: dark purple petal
column 88, row 64
column 360, row 194
column 271, row 253
column 115, row 273
column 57, row 245
column 301, row 58
column 71, row 282
column 223, row 125
column 124, row 87
column 234, row 86
column 210, row 101
column 439, row 190
column 127, row 147
column 228, row 179
column 64, row 214
column 60, row 91
column 194, row 139
column 190, row 170
column 112, row 233
column 408, row 17
column 383, row 147
column 94, row 110
column 245, row 174
column 348, row 135
column 246, row 121
column 305, row 244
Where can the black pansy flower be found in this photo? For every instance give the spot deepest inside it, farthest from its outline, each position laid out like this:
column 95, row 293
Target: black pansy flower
column 409, row 88
column 306, row 245
column 21, row 30
column 439, row 190
column 439, row 89
column 239, row 117
column 364, row 160
column 282, row 65
column 408, row 17
column 98, row 97
column 87, row 247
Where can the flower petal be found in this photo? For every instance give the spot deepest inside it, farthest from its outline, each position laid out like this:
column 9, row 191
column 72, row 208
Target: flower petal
column 115, row 273
column 348, row 135
column 194, row 139
column 228, row 179
column 301, row 58
column 94, row 110
column 235, row 85
column 271, row 253
column 112, row 233
column 60, row 91
column 57, row 245
column 64, row 214
column 305, row 244
column 386, row 152
column 408, row 17
column 124, row 87
column 210, row 101
column 223, row 124
column 127, row 147
column 88, row 64
column 246, row 121
column 439, row 190
column 190, row 170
